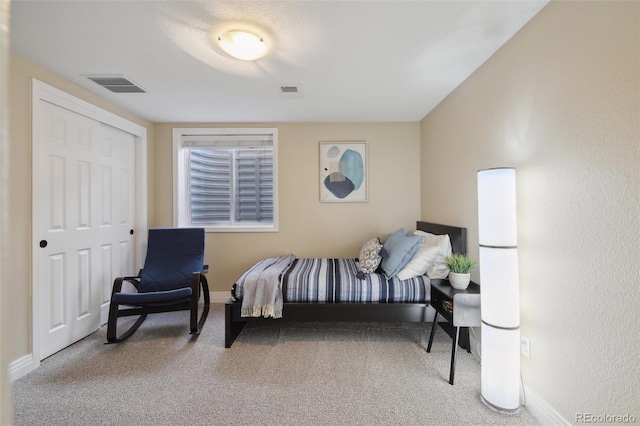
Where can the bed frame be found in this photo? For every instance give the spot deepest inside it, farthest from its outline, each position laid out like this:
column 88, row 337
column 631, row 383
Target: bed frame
column 369, row 312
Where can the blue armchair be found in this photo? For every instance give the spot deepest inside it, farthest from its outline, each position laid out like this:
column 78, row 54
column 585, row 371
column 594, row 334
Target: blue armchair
column 172, row 279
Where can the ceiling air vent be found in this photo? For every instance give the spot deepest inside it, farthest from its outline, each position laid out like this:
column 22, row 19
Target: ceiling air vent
column 289, row 91
column 116, row 83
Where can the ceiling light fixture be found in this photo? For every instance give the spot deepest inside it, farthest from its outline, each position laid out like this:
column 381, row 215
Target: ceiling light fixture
column 243, row 45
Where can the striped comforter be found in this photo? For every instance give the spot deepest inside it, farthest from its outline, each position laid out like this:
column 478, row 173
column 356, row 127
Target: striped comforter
column 335, row 280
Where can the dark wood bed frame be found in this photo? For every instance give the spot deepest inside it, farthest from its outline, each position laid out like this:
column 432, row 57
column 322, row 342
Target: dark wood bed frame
column 368, row 312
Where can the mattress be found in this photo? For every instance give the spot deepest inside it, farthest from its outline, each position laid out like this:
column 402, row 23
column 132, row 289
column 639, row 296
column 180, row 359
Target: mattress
column 325, row 280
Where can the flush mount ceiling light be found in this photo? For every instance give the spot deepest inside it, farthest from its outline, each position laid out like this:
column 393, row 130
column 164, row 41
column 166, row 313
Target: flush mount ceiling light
column 243, row 45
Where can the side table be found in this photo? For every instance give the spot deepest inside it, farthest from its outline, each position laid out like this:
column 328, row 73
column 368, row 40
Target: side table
column 461, row 308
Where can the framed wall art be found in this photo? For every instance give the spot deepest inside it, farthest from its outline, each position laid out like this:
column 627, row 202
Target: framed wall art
column 343, row 172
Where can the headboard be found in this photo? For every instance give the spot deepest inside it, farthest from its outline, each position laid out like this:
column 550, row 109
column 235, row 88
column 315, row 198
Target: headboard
column 457, row 235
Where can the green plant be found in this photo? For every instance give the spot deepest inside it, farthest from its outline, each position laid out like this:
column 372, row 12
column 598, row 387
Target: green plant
column 460, row 264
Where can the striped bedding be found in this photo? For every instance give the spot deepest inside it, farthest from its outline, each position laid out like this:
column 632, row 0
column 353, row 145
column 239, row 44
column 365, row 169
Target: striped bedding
column 335, row 280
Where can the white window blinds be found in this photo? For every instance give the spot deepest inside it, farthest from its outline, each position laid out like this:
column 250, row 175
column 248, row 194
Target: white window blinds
column 254, row 184
column 229, row 180
column 210, row 185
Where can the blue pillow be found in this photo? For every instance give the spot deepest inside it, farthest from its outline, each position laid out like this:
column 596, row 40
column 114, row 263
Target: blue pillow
column 399, row 249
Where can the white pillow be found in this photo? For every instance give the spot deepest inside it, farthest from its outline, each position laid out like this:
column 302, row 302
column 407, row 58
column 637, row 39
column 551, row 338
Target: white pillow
column 438, row 269
column 424, row 258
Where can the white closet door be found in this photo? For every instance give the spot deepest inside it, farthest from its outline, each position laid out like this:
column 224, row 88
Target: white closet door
column 84, row 200
column 117, row 209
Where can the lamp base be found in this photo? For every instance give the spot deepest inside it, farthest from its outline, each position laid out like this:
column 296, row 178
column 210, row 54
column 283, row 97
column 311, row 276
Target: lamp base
column 500, row 368
column 499, row 409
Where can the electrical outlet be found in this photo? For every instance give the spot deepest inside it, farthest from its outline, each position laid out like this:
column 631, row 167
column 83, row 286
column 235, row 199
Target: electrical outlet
column 525, row 346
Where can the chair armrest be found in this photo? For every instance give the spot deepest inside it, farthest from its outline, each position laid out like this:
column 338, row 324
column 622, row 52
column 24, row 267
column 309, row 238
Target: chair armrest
column 117, row 283
column 205, row 269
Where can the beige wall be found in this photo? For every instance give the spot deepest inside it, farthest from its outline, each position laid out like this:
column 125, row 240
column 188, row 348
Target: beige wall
column 561, row 103
column 6, row 413
column 16, row 227
column 309, row 228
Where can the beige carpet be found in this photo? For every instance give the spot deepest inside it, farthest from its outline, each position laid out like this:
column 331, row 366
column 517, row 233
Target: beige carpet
column 276, row 373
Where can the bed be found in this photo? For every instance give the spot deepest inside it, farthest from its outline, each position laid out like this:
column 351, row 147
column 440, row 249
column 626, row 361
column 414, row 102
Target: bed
column 380, row 301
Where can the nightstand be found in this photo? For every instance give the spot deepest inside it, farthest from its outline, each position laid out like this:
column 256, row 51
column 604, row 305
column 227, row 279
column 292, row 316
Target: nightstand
column 461, row 309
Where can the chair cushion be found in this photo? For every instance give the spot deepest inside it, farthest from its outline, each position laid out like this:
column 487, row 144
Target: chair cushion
column 173, row 255
column 139, row 299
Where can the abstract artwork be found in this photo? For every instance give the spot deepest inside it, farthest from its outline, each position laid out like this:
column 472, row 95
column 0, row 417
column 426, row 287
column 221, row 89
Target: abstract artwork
column 343, row 172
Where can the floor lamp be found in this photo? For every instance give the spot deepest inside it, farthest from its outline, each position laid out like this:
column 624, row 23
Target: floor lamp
column 500, row 296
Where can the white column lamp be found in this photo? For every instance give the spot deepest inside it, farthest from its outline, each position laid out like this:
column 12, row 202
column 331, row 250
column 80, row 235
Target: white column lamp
column 500, row 294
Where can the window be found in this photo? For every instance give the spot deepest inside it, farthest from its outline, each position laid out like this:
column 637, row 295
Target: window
column 226, row 180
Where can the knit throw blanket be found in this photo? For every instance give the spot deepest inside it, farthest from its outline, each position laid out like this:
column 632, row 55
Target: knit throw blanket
column 262, row 291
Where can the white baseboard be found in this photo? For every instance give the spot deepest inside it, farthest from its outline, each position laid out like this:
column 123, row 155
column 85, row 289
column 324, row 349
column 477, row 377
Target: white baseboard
column 542, row 411
column 20, row 367
column 219, row 296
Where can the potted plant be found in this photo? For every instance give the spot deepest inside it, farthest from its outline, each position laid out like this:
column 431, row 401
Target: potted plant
column 459, row 268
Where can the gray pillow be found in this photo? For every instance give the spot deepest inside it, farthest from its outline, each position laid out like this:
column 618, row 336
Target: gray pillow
column 370, row 258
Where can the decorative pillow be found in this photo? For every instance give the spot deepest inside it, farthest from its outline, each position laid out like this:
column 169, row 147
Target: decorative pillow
column 438, row 269
column 370, row 258
column 399, row 249
column 424, row 258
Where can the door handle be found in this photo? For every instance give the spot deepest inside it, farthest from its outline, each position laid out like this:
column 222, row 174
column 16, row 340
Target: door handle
column 43, row 243
column 130, row 231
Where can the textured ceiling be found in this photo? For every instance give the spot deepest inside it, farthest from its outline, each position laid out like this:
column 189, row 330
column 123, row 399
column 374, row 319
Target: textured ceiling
column 353, row 61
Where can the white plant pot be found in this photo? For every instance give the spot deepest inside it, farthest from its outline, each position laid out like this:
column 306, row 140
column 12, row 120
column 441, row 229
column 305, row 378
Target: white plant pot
column 459, row 281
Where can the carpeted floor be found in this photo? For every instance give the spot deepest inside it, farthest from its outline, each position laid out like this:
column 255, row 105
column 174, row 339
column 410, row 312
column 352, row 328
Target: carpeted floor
column 276, row 373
